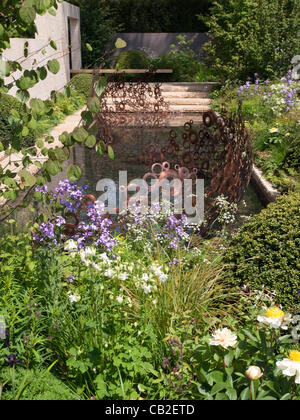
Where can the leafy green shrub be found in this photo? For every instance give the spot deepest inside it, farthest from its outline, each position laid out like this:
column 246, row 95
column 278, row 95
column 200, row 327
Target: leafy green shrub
column 7, row 103
column 166, row 61
column 81, row 83
column 181, row 59
column 33, row 385
column 248, row 37
column 292, row 158
column 132, row 59
column 205, row 74
column 266, row 251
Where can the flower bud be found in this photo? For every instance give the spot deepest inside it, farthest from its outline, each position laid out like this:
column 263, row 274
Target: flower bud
column 253, row 373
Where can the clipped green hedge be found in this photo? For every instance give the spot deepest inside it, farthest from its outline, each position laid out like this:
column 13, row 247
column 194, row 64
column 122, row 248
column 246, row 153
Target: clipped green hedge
column 81, row 83
column 266, row 251
column 132, row 59
column 7, row 103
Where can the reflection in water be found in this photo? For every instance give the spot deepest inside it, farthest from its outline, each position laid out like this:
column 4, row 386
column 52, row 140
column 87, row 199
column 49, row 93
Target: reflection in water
column 128, row 144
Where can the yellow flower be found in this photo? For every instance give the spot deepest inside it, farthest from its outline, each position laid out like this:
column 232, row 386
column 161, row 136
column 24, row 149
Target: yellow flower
column 295, row 355
column 275, row 318
column 274, row 312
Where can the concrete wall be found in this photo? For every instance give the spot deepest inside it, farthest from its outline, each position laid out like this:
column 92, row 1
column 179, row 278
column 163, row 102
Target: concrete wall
column 50, row 28
column 155, row 44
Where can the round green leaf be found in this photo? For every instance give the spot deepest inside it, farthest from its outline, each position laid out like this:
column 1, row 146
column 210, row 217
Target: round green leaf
column 66, row 139
column 93, row 105
column 79, row 134
column 40, row 144
column 89, row 47
column 120, row 43
column 42, row 72
column 22, row 95
column 27, row 14
column 53, row 66
column 28, row 179
column 52, row 167
column 74, row 173
column 24, row 83
column 37, row 105
column 90, row 141
column 42, row 5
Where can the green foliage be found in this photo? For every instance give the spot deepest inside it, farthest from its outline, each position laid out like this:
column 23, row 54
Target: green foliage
column 82, row 84
column 132, row 59
column 252, row 36
column 181, row 59
column 98, row 25
column 205, row 74
column 266, row 251
column 33, row 385
column 160, row 15
column 7, row 104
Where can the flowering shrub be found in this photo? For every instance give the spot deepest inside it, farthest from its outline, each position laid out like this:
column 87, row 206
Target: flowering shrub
column 157, row 224
column 251, row 362
column 280, row 97
column 70, row 201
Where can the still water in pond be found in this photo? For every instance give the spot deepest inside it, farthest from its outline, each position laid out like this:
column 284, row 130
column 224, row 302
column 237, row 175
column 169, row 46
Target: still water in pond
column 128, row 145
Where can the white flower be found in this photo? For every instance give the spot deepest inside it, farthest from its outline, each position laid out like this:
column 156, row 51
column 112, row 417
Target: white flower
column 273, row 130
column 109, row 273
column 157, row 270
column 275, row 318
column 87, row 252
column 145, row 277
column 163, row 277
column 123, row 276
column 119, row 299
column 224, row 338
column 291, row 366
column 253, row 373
column 74, row 298
column 146, row 288
column 105, row 259
column 71, row 246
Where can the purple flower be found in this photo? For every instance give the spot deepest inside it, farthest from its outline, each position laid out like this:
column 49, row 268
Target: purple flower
column 42, row 189
column 70, row 279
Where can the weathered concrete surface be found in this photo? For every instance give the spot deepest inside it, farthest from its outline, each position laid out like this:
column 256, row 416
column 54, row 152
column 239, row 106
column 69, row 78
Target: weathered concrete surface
column 263, row 188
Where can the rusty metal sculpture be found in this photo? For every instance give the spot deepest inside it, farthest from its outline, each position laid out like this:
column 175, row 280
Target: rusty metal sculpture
column 220, row 152
column 135, row 103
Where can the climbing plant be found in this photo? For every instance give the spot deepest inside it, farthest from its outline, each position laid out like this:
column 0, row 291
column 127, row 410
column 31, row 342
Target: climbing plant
column 17, row 19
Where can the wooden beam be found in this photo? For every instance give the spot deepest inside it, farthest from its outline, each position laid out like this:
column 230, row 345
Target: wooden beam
column 114, row 71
